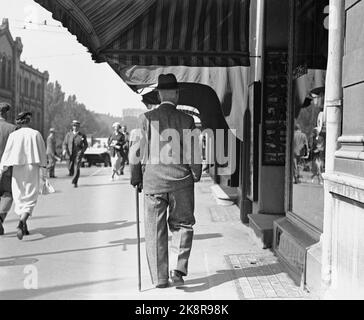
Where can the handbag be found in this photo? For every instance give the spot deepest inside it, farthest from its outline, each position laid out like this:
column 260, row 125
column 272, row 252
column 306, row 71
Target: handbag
column 46, row 188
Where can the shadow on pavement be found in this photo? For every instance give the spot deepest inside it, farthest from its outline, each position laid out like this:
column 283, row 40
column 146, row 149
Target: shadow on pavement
column 39, row 254
column 17, row 262
column 23, row 294
column 118, row 243
column 79, row 228
column 220, row 277
column 128, row 241
column 110, row 184
column 33, row 218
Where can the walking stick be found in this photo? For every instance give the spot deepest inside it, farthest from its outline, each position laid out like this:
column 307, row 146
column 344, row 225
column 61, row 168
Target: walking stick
column 138, row 235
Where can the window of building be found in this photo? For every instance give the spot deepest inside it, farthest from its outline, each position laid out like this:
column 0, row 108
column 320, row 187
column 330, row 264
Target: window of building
column 38, row 125
column 9, row 77
column 3, row 72
column 26, row 87
column 39, row 92
column 19, row 84
column 310, row 46
column 32, row 89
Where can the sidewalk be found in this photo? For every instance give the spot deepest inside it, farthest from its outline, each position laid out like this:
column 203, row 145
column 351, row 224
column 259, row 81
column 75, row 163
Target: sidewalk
column 83, row 245
column 227, row 261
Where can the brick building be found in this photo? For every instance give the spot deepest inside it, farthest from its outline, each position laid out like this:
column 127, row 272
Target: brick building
column 21, row 85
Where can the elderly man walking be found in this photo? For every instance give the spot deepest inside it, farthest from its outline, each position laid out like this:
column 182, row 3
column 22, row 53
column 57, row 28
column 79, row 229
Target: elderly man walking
column 74, row 146
column 6, row 198
column 168, row 182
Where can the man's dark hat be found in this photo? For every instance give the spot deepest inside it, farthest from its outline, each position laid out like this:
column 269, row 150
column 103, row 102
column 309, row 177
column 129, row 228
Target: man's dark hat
column 23, row 115
column 167, row 82
column 4, row 107
column 307, row 102
column 318, row 90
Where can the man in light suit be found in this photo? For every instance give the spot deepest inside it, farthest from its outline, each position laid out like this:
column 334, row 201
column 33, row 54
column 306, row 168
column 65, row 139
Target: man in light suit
column 74, row 146
column 6, row 198
column 167, row 185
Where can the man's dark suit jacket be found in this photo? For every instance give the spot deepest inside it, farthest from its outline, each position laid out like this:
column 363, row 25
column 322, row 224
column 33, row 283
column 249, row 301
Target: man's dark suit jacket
column 161, row 177
column 75, row 143
column 51, row 145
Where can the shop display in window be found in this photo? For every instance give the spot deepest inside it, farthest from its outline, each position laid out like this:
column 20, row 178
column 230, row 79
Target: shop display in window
column 275, row 108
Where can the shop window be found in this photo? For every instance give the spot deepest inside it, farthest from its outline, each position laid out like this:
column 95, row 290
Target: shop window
column 308, row 121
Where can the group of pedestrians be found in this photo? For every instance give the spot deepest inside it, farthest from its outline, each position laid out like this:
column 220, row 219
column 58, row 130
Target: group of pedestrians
column 26, row 161
column 168, row 187
column 75, row 144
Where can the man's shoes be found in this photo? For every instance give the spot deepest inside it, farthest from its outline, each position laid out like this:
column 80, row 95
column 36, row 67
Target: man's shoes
column 20, row 230
column 162, row 285
column 176, row 277
column 1, row 228
column 25, row 230
column 75, row 185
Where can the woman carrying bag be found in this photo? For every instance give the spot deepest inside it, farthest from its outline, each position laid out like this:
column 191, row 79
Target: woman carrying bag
column 25, row 151
column 115, row 144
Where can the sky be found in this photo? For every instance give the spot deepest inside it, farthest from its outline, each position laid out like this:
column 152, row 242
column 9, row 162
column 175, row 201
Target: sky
column 54, row 49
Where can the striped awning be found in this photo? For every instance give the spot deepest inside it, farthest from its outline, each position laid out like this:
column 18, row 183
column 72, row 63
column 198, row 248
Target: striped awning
column 159, row 32
column 200, row 41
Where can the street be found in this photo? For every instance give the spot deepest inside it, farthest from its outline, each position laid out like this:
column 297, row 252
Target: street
column 83, row 245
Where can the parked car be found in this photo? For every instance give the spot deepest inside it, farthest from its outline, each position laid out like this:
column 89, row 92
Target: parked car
column 96, row 155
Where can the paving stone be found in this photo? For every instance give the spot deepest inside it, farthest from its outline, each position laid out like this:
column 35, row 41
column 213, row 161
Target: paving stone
column 224, row 213
column 262, row 277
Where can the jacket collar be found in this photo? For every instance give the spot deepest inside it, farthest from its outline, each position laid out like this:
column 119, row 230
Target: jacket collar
column 167, row 104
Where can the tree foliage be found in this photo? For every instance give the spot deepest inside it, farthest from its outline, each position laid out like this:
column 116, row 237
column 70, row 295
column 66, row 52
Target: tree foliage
column 60, row 111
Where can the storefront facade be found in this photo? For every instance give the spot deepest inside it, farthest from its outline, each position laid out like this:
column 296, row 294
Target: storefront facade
column 282, row 186
column 315, row 221
column 343, row 240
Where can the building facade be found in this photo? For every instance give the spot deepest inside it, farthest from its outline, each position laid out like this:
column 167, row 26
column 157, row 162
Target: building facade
column 301, row 186
column 282, row 162
column 21, row 85
column 132, row 112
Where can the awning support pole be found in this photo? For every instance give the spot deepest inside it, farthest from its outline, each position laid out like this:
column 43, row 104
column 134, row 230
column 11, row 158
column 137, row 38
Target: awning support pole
column 259, row 42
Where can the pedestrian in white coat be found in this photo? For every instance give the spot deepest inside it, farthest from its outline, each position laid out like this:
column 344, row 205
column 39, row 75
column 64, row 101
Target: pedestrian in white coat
column 25, row 151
